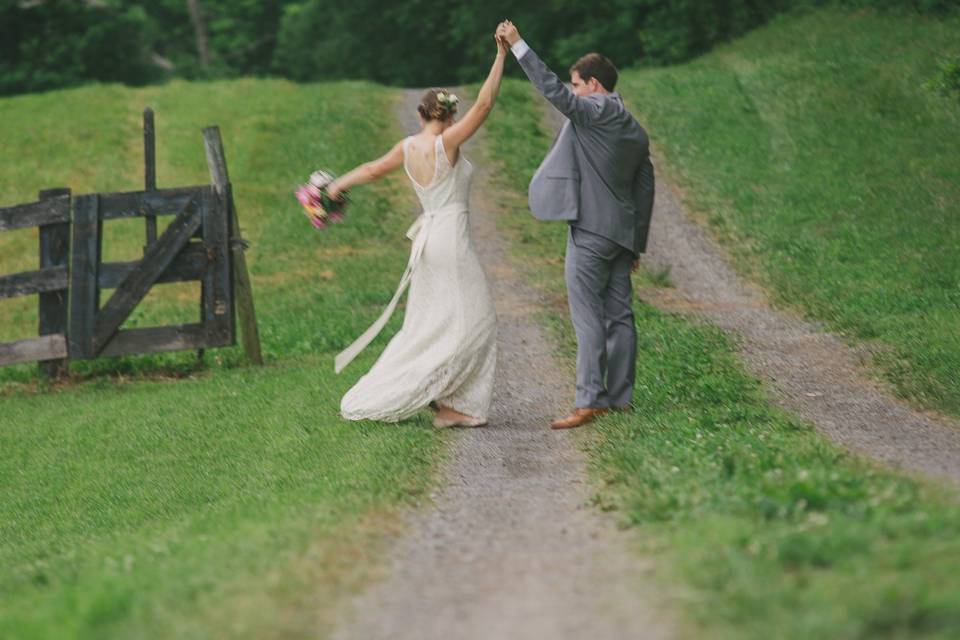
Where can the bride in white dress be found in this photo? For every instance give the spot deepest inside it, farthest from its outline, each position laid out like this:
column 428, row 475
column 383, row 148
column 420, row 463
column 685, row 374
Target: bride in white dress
column 445, row 354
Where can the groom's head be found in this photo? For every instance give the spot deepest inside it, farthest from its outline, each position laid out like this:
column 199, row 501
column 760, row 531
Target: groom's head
column 593, row 73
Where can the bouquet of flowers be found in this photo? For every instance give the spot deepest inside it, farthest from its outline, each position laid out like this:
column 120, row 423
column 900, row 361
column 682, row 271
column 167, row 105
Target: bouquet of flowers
column 318, row 206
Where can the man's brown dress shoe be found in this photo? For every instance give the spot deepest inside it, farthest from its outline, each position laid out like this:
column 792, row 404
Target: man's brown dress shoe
column 579, row 417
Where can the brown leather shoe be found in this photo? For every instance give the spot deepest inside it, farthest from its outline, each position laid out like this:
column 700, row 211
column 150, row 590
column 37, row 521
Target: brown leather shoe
column 579, row 417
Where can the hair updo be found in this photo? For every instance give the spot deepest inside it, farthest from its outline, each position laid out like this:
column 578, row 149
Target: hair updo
column 436, row 104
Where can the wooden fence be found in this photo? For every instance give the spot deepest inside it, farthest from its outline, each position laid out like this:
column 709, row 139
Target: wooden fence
column 202, row 243
column 52, row 214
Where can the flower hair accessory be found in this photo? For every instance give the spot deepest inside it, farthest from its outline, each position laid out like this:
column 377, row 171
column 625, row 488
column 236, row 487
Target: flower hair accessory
column 448, row 100
column 318, row 206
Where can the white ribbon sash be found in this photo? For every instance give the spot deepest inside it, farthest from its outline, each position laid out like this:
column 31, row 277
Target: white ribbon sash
column 417, row 232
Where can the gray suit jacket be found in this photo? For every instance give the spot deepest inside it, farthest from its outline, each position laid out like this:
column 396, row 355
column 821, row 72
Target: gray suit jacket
column 598, row 175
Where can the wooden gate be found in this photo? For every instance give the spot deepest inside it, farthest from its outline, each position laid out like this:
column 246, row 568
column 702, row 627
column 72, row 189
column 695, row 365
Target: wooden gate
column 174, row 257
column 202, row 243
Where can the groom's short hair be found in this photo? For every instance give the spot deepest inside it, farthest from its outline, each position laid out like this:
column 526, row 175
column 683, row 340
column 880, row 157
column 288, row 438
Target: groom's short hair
column 594, row 65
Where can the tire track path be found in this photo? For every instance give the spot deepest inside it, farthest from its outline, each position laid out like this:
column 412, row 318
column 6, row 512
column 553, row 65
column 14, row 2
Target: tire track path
column 510, row 547
column 811, row 372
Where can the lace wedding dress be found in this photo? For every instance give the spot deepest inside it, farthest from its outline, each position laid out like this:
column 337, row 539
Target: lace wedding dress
column 447, row 348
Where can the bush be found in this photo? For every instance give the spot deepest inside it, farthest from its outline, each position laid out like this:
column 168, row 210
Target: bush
column 45, row 45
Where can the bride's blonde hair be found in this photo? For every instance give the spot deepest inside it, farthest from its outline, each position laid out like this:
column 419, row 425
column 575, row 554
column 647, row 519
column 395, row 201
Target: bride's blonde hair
column 431, row 108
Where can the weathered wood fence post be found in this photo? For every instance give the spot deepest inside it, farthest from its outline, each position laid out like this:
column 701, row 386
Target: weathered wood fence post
column 217, row 164
column 149, row 169
column 85, row 275
column 54, row 252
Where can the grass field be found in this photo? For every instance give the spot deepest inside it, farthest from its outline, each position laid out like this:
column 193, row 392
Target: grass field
column 760, row 527
column 150, row 496
column 154, row 497
column 815, row 152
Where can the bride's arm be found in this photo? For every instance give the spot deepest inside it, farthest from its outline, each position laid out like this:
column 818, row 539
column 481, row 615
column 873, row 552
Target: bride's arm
column 368, row 171
column 464, row 128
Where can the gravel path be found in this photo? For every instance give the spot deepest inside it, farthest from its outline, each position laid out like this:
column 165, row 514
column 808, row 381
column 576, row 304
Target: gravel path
column 510, row 547
column 811, row 372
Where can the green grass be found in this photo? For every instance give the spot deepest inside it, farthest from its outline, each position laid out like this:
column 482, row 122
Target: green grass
column 149, row 496
column 817, row 153
column 760, row 527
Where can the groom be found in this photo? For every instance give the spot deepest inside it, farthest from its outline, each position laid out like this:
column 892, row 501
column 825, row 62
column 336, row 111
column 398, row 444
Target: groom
column 598, row 177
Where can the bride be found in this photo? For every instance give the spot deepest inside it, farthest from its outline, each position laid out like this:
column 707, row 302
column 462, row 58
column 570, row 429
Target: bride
column 445, row 354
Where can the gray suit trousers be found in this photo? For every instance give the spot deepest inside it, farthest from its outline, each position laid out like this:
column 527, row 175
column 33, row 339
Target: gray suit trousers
column 600, row 295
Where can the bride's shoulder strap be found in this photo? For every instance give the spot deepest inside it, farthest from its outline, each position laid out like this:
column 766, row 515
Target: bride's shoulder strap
column 441, row 150
column 406, row 148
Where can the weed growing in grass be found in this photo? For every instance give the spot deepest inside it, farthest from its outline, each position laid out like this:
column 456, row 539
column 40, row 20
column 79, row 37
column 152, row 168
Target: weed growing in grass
column 659, row 276
column 947, row 80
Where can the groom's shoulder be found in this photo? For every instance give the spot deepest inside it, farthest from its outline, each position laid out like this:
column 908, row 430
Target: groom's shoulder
column 597, row 101
column 610, row 109
column 603, row 106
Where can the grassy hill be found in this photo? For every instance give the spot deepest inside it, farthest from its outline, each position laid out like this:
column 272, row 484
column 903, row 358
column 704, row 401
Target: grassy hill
column 760, row 527
column 815, row 152
column 150, row 493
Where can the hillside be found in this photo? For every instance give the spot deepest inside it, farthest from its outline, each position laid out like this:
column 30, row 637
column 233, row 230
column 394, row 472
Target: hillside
column 814, row 150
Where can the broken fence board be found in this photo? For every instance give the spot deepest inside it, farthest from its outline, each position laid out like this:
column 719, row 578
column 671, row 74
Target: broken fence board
column 35, row 214
column 33, row 349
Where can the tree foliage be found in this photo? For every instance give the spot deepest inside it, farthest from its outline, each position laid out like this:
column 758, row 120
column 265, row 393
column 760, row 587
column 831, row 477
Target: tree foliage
column 53, row 43
column 44, row 45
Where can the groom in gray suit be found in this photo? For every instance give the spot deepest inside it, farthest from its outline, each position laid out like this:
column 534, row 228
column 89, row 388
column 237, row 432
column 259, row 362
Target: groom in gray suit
column 599, row 178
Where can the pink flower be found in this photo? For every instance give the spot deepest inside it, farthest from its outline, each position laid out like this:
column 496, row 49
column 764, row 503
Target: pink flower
column 304, row 197
column 312, row 197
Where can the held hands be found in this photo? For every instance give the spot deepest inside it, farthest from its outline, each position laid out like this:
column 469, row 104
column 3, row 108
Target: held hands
column 507, row 31
column 502, row 46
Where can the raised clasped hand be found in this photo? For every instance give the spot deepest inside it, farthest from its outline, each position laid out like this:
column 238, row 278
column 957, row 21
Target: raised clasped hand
column 502, row 45
column 508, row 31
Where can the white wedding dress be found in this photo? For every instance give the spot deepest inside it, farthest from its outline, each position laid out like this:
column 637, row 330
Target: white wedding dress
column 447, row 348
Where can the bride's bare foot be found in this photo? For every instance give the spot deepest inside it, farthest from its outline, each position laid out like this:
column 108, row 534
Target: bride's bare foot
column 447, row 417
column 450, row 414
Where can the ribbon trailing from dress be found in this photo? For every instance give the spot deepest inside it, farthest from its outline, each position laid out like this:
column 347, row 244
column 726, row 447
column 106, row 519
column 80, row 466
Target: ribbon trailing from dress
column 417, row 232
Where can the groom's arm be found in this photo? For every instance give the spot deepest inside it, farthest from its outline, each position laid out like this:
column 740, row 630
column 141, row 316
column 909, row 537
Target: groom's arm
column 581, row 111
column 643, row 190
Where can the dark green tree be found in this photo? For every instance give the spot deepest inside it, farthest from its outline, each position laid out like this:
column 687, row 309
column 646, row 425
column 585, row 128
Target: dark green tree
column 57, row 43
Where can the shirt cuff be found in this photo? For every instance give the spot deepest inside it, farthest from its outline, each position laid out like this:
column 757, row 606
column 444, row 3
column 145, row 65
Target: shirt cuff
column 519, row 48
